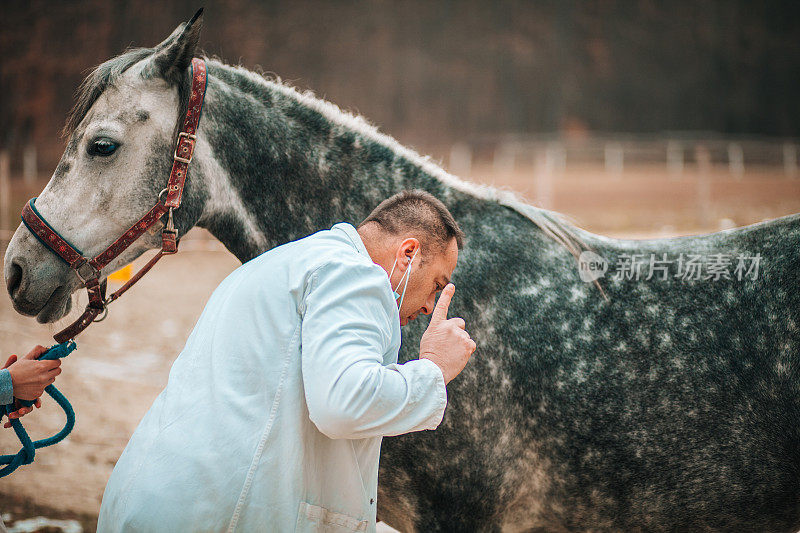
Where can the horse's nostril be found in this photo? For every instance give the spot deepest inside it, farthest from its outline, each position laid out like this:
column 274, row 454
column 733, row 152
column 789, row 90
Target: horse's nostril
column 14, row 278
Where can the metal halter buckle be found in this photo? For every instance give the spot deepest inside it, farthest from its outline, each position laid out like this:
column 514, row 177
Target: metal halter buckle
column 102, row 315
column 189, row 136
column 164, row 190
column 86, row 272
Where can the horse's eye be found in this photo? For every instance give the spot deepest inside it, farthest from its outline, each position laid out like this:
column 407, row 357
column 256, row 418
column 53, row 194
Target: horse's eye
column 103, row 147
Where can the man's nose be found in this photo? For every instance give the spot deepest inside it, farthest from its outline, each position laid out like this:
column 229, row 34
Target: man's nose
column 427, row 307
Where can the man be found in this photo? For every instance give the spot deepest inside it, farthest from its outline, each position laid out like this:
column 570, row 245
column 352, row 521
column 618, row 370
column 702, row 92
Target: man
column 273, row 415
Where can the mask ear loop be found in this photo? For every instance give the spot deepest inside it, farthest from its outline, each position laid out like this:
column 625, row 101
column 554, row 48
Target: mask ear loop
column 394, row 291
column 406, row 275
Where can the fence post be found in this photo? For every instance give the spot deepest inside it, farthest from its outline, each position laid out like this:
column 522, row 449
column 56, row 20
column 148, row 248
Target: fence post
column 790, row 159
column 557, row 156
column 614, row 158
column 29, row 166
column 505, row 158
column 703, row 158
column 674, row 158
column 461, row 160
column 549, row 160
column 736, row 160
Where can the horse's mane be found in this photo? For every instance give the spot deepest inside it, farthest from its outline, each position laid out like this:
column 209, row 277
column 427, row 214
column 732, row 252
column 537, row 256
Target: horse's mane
column 98, row 80
column 552, row 223
column 105, row 75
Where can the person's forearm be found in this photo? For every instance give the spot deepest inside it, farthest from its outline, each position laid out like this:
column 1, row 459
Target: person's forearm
column 381, row 401
column 6, row 387
column 346, row 335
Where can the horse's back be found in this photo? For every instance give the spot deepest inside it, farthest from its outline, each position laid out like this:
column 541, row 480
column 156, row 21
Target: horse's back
column 671, row 405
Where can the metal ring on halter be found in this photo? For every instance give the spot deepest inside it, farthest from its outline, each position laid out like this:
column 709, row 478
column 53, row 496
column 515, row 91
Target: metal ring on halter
column 165, row 189
column 102, row 316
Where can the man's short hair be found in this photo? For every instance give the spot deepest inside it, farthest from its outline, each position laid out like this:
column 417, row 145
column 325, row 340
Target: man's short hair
column 418, row 212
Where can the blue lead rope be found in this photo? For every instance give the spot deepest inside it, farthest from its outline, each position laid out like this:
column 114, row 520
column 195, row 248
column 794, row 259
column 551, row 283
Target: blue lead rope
column 26, row 454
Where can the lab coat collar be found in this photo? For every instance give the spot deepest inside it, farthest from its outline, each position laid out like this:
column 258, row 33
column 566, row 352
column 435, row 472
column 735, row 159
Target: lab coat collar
column 354, row 237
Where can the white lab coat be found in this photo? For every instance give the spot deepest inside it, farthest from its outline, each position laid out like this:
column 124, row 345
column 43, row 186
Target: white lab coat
column 274, row 411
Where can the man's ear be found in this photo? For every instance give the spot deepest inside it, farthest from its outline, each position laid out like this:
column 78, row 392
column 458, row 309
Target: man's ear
column 174, row 55
column 406, row 251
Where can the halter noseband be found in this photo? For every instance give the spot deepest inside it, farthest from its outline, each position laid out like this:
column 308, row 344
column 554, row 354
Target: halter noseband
column 89, row 270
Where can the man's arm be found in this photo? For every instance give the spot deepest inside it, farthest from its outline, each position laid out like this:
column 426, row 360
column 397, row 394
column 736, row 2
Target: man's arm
column 349, row 392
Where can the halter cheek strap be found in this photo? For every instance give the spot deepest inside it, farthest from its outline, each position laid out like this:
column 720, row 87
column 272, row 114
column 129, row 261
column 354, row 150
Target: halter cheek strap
column 89, row 270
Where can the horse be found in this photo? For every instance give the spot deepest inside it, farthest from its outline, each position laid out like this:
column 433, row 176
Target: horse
column 662, row 396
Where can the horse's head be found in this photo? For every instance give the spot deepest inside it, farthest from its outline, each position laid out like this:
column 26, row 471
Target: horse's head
column 117, row 160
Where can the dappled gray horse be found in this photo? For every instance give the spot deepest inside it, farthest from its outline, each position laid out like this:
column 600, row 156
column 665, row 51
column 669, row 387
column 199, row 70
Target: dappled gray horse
column 667, row 403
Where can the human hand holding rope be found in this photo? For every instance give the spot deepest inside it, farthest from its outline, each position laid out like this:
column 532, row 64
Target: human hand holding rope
column 29, row 377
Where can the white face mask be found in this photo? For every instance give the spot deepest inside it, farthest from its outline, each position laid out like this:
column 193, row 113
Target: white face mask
column 406, row 275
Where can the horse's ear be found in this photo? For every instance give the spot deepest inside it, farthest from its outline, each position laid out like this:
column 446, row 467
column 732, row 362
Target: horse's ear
column 173, row 56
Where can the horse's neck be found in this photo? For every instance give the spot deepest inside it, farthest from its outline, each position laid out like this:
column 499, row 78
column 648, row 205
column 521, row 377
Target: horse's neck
column 283, row 170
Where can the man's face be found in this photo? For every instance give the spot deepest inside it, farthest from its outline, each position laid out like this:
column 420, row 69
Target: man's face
column 427, row 279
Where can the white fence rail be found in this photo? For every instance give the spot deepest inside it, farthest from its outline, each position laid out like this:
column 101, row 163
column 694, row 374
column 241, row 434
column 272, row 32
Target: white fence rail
column 616, row 153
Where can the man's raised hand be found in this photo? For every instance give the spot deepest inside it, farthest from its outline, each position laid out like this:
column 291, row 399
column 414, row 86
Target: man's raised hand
column 446, row 342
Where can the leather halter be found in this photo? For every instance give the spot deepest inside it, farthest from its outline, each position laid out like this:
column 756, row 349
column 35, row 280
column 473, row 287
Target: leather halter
column 89, row 270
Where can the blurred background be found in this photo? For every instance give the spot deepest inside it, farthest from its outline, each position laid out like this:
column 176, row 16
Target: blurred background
column 637, row 118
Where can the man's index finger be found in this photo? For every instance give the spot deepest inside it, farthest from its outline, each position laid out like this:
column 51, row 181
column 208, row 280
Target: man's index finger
column 440, row 311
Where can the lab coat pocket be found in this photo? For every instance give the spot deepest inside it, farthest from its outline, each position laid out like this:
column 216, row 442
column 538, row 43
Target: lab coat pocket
column 316, row 519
